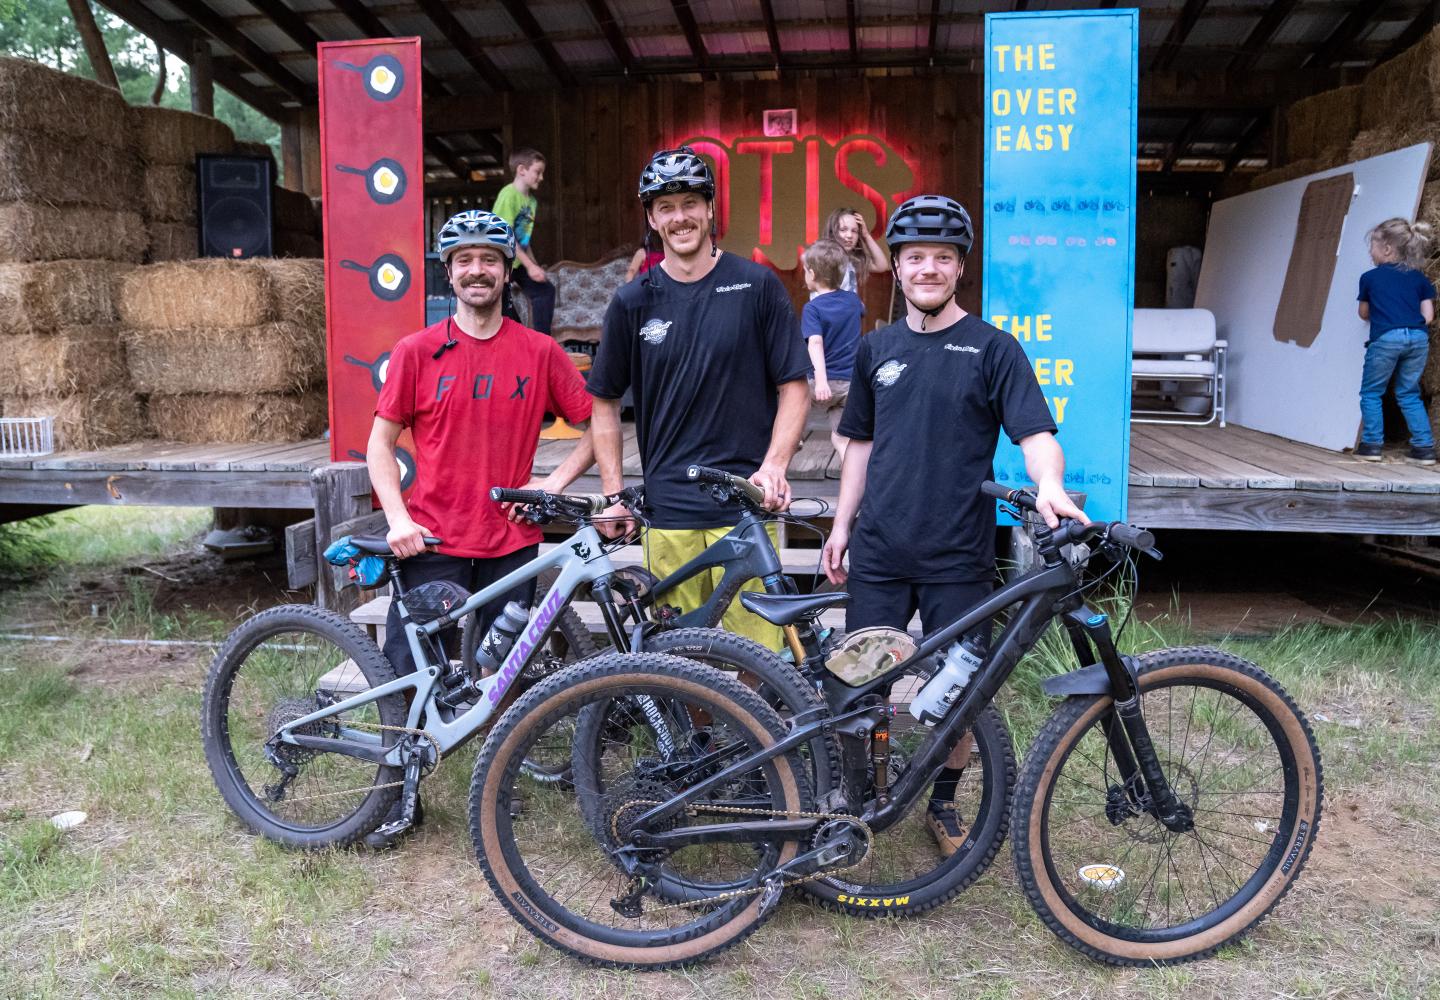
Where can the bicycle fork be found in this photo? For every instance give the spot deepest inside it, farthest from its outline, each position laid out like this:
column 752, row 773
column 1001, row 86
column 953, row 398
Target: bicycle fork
column 1145, row 784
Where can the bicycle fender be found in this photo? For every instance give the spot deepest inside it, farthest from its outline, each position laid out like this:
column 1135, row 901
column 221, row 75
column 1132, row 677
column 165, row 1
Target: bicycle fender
column 1085, row 681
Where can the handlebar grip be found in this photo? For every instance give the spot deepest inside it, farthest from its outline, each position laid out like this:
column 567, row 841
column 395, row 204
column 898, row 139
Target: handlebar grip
column 1017, row 497
column 1127, row 534
column 432, row 540
column 501, row 495
column 701, row 474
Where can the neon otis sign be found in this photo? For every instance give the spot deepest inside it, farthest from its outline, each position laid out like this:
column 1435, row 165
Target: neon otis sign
column 775, row 192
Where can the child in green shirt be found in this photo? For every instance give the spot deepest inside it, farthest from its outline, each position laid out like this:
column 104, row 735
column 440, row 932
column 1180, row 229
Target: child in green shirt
column 516, row 204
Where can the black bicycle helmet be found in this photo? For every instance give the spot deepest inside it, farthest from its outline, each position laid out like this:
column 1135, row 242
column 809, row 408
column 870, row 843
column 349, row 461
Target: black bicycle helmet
column 931, row 218
column 671, row 171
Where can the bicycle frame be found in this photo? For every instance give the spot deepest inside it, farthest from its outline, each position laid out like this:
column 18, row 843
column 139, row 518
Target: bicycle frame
column 578, row 566
column 746, row 552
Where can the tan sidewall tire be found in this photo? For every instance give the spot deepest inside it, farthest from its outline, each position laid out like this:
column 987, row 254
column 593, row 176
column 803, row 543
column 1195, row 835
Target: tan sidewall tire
column 525, row 909
column 1308, row 811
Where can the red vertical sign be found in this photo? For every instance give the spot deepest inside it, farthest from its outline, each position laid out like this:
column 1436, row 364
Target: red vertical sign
column 371, row 149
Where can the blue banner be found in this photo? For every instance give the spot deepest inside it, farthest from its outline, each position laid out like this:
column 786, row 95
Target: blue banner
column 1059, row 229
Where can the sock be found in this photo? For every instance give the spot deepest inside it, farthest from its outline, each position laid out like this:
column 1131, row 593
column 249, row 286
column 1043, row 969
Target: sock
column 944, row 790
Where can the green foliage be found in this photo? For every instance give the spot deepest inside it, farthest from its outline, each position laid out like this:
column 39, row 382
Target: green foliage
column 43, row 31
column 23, row 548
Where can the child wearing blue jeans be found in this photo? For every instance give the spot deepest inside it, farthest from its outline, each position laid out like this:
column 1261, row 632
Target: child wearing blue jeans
column 1399, row 301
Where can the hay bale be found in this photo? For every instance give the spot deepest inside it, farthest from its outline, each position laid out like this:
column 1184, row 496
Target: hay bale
column 170, row 137
column 36, row 98
column 84, row 420
column 170, row 241
column 237, row 418
column 1404, row 88
column 197, row 294
column 294, row 210
column 1281, row 174
column 73, row 359
column 170, row 194
column 1315, row 126
column 275, row 357
column 1372, row 142
column 37, row 167
column 297, row 289
column 291, row 244
column 34, row 232
column 261, row 149
column 38, row 298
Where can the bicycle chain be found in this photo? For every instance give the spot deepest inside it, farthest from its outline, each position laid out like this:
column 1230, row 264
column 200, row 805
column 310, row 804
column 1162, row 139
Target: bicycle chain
column 388, row 784
column 764, row 886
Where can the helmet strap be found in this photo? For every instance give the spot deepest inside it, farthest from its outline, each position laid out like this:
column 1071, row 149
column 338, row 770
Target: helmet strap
column 450, row 340
column 929, row 313
column 714, row 242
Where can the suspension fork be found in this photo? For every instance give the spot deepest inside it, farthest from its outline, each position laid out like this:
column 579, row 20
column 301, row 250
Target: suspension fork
column 1125, row 730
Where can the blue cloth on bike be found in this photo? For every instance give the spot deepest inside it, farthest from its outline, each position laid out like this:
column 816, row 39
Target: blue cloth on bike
column 364, row 570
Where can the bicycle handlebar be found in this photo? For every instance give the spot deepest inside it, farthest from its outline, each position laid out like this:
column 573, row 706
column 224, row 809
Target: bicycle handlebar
column 749, row 490
column 1114, row 531
column 583, row 505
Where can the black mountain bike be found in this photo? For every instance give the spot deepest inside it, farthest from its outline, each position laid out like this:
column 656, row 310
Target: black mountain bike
column 1163, row 810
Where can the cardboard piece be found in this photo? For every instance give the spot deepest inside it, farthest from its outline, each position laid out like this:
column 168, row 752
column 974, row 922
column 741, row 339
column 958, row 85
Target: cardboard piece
column 1323, row 208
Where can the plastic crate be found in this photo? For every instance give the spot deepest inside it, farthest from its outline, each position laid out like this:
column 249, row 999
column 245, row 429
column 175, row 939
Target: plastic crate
column 26, row 437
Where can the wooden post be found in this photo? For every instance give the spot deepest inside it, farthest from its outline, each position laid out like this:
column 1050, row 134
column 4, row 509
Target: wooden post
column 202, row 79
column 94, row 42
column 290, row 155
column 342, row 493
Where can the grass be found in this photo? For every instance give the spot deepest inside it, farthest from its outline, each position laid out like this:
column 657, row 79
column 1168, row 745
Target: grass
column 162, row 894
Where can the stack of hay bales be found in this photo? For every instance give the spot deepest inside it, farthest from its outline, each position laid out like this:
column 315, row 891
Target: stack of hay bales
column 69, row 182
column 228, row 350
column 1319, row 131
column 297, row 224
column 168, row 141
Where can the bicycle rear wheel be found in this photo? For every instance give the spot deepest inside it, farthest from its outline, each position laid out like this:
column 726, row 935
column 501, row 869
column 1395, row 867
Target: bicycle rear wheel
column 1110, row 879
column 566, row 885
column 277, row 667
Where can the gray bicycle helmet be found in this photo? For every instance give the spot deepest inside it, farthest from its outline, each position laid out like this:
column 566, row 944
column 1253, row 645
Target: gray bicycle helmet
column 475, row 228
column 931, row 218
column 671, row 171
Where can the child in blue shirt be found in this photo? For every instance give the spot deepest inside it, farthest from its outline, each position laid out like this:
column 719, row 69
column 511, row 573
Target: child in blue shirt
column 1399, row 301
column 830, row 324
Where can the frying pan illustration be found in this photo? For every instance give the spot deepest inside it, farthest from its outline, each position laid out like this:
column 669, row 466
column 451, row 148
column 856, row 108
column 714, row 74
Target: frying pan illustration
column 384, row 77
column 384, row 180
column 378, row 368
column 402, row 459
column 389, row 276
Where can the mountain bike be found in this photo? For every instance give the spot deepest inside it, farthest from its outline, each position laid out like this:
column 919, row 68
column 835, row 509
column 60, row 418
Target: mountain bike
column 1166, row 806
column 310, row 736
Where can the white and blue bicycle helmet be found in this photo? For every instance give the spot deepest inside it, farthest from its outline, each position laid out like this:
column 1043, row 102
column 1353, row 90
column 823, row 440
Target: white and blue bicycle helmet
column 475, row 228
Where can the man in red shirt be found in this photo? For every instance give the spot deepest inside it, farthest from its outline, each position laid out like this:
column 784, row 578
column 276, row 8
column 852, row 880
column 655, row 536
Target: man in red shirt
column 473, row 390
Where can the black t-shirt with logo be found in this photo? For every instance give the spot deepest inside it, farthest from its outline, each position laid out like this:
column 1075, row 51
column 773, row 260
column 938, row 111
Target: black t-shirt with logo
column 704, row 359
column 933, row 404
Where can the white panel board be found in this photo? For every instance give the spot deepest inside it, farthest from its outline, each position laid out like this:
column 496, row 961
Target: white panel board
column 1309, row 394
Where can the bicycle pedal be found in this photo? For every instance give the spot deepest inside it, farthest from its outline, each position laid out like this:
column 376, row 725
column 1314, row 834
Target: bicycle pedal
column 393, row 829
column 770, row 895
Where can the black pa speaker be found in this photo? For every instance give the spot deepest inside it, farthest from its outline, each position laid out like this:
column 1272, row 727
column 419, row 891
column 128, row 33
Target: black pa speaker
column 235, row 209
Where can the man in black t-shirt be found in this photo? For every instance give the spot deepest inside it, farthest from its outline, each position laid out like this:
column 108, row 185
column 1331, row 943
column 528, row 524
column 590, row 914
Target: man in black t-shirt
column 709, row 345
column 928, row 398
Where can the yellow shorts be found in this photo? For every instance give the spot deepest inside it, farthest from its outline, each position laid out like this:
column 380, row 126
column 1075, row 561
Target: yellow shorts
column 667, row 549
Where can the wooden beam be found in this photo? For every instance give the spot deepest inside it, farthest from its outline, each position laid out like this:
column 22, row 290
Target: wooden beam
column 454, row 32
column 94, row 43
column 202, row 79
column 372, row 27
column 1416, row 30
column 464, row 114
column 292, row 24
column 180, row 40
column 257, row 58
column 932, row 34
column 772, row 31
column 1179, row 31
column 686, row 17
column 1242, row 144
column 1260, row 35
column 600, row 10
column 852, row 31
column 1348, row 30
column 1187, row 135
column 520, row 13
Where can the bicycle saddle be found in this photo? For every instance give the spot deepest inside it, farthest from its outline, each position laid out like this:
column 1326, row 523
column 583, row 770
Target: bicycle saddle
column 787, row 609
column 376, row 545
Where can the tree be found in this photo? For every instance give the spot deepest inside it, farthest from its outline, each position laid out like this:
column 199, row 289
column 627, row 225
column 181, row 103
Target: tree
column 44, row 32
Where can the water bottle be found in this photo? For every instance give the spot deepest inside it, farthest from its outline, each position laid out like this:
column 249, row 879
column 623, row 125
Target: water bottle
column 501, row 636
column 946, row 686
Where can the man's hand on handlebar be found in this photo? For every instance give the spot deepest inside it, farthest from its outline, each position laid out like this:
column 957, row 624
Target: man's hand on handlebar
column 771, row 479
column 516, row 511
column 1052, row 503
column 407, row 538
column 616, row 522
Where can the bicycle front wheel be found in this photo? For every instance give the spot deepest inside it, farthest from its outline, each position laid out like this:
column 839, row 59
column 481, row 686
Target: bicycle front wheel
column 1110, row 879
column 567, row 885
column 278, row 667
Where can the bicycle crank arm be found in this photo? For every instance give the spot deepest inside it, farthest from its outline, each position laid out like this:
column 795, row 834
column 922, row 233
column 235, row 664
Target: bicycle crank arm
column 750, row 832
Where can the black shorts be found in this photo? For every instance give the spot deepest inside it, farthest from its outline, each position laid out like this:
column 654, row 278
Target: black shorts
column 894, row 603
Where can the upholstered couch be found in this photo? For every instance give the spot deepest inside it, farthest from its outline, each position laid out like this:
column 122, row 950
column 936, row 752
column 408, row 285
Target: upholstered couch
column 582, row 294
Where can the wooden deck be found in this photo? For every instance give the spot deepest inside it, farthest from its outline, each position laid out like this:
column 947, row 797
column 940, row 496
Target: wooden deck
column 1198, row 477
